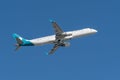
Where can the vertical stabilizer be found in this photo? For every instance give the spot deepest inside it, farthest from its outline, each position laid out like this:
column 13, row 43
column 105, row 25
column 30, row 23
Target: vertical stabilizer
column 21, row 41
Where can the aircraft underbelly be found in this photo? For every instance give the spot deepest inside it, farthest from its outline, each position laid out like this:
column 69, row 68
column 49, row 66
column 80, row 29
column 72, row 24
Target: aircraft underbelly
column 52, row 38
column 44, row 40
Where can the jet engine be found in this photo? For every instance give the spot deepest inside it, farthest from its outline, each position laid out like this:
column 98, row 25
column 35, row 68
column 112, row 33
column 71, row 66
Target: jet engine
column 65, row 44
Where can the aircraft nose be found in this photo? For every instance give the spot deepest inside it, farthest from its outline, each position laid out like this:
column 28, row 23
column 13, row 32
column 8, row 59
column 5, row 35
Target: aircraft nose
column 94, row 30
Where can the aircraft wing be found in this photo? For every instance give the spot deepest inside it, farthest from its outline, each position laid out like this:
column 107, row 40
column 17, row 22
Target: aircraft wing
column 56, row 27
column 55, row 47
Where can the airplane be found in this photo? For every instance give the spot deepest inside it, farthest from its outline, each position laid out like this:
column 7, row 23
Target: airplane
column 60, row 39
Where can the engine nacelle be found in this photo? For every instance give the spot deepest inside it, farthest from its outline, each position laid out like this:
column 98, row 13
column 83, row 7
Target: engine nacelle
column 66, row 44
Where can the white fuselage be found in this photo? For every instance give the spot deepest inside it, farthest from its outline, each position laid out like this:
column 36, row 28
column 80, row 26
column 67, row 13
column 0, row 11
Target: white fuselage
column 74, row 34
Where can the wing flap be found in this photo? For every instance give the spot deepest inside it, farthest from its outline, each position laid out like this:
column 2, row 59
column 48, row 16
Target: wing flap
column 56, row 27
column 55, row 47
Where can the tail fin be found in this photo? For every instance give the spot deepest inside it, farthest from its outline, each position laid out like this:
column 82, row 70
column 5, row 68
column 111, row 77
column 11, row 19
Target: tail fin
column 19, row 40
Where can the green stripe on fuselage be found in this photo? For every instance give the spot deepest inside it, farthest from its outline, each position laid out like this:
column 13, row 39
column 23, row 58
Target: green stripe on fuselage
column 26, row 43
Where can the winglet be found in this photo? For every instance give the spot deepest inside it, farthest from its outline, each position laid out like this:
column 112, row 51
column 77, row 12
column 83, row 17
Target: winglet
column 51, row 20
column 47, row 53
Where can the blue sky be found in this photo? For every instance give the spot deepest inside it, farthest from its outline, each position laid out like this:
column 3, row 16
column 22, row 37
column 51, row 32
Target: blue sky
column 94, row 57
